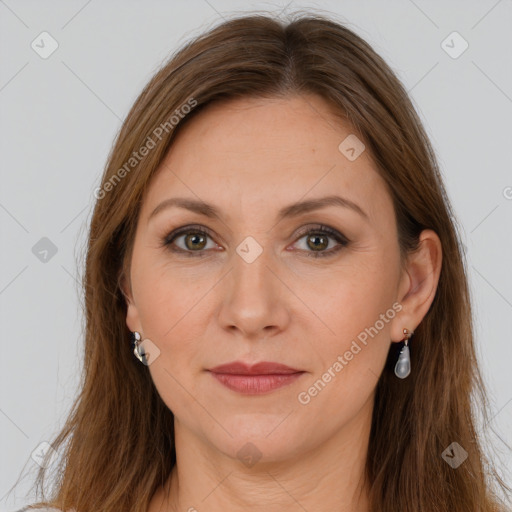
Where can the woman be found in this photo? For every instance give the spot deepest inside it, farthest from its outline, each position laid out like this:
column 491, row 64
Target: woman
column 277, row 308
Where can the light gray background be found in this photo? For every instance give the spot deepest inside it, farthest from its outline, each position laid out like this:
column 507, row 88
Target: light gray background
column 59, row 117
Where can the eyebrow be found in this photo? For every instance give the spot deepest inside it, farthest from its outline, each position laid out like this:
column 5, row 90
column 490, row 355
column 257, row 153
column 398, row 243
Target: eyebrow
column 291, row 210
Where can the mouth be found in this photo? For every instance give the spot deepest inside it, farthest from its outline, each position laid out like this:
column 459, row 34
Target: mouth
column 256, row 379
column 262, row 368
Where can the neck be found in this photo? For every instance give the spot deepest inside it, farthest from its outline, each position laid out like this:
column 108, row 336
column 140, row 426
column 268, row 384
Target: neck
column 329, row 477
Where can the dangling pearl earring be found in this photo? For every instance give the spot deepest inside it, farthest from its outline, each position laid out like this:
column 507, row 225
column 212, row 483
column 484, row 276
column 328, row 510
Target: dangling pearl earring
column 403, row 365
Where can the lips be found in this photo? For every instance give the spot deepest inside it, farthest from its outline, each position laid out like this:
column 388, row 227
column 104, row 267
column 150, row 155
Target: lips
column 262, row 368
column 256, row 379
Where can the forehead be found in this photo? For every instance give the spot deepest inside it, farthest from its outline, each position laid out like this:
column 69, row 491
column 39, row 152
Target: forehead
column 265, row 153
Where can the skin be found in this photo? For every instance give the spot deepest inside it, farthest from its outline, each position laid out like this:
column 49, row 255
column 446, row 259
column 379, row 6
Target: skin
column 249, row 158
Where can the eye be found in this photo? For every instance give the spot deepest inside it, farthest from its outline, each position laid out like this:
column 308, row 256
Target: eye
column 318, row 238
column 195, row 240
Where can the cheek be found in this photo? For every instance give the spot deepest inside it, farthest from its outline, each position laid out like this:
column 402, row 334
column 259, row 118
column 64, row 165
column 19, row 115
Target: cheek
column 170, row 312
column 352, row 297
column 350, row 364
column 358, row 307
column 167, row 307
column 171, row 316
column 167, row 295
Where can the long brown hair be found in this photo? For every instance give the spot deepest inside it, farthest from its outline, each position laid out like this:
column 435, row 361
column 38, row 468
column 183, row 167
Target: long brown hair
column 117, row 445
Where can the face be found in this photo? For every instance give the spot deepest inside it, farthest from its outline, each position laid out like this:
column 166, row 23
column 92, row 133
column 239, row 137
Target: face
column 315, row 290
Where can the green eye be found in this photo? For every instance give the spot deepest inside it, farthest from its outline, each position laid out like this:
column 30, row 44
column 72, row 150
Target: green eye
column 195, row 240
column 322, row 234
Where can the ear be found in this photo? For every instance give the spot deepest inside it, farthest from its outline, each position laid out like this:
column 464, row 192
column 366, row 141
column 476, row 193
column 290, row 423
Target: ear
column 418, row 284
column 132, row 313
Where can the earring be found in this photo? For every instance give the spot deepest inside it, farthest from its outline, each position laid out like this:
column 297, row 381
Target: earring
column 403, row 365
column 138, row 349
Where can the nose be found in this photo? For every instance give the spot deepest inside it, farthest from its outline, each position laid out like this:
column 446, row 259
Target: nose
column 254, row 298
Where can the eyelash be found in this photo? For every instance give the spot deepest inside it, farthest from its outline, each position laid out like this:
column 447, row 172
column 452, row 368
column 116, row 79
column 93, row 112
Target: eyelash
column 343, row 241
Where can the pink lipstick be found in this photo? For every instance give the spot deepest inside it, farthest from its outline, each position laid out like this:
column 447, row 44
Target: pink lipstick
column 255, row 379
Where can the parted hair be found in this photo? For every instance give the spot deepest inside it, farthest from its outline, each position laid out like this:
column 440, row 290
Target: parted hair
column 117, row 444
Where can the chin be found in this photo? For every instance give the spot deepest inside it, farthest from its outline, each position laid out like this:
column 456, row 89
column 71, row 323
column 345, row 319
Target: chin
column 257, row 438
